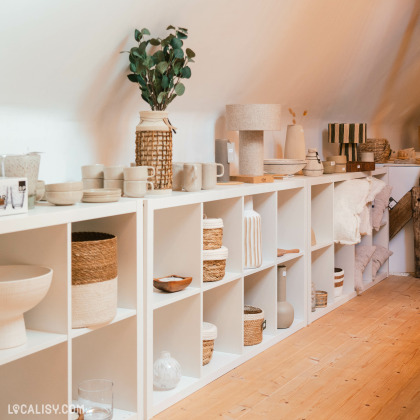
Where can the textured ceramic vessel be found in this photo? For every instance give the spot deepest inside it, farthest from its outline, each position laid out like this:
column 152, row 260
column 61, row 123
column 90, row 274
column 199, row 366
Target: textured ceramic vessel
column 295, row 147
column 285, row 311
column 252, row 236
column 314, row 166
column 21, row 288
column 166, row 372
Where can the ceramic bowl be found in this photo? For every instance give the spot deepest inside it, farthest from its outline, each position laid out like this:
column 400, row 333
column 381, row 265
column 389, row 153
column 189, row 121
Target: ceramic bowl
column 114, row 172
column 172, row 283
column 93, row 171
column 65, row 186
column 89, row 183
column 21, row 288
column 114, row 183
column 283, row 166
column 63, row 198
column 138, row 173
column 136, row 189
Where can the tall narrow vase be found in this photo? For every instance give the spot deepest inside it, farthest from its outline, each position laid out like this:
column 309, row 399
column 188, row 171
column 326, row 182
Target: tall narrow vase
column 285, row 311
column 294, row 147
column 252, row 236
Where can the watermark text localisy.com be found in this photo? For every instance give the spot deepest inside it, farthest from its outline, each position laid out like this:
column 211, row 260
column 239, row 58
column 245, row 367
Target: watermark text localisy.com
column 41, row 409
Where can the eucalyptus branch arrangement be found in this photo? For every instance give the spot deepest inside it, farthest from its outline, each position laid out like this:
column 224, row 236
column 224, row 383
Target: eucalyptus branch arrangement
column 293, row 114
column 158, row 65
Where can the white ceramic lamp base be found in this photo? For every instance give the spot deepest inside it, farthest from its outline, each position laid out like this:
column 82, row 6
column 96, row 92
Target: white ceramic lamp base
column 251, row 153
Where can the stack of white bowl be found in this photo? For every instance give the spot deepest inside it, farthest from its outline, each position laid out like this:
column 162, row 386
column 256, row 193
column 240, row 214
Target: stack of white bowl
column 114, row 177
column 64, row 194
column 136, row 180
column 93, row 176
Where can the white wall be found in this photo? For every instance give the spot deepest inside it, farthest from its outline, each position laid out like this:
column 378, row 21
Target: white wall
column 63, row 88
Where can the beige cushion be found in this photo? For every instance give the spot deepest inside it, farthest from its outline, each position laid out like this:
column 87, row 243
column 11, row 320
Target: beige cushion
column 379, row 205
column 363, row 256
column 380, row 255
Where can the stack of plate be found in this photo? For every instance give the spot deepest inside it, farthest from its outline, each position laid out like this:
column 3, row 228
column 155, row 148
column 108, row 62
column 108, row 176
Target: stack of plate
column 283, row 166
column 101, row 195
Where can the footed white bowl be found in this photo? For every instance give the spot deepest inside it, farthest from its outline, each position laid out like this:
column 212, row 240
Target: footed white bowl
column 21, row 288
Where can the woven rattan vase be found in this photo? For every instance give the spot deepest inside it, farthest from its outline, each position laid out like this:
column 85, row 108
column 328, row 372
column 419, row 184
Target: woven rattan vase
column 154, row 148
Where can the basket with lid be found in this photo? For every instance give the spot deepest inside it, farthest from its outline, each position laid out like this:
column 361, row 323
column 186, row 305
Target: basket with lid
column 214, row 264
column 212, row 233
column 254, row 324
column 209, row 334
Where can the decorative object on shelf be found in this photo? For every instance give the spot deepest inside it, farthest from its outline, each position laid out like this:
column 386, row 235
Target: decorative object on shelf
column 314, row 167
column 249, row 179
column 13, row 196
column 329, row 166
column 212, row 233
column 251, row 121
column 284, row 166
column 214, row 264
column 367, row 156
column 158, row 66
column 94, row 278
column 313, row 297
column 380, row 205
column 254, row 324
column 252, row 236
column 96, row 398
column 209, row 334
column 294, row 146
column 415, row 205
column 114, row 177
column 338, row 281
column 166, row 372
column 321, row 299
column 137, row 189
column 172, row 283
column 24, row 166
column 138, row 173
column 192, row 177
column 348, row 136
column 210, row 175
column 340, row 163
column 224, row 154
column 380, row 148
column 64, row 193
column 101, row 195
column 379, row 257
column 93, row 176
column 40, row 190
column 22, row 287
column 285, row 311
column 360, row 166
column 363, row 256
column 281, row 252
column 313, row 238
column 177, row 175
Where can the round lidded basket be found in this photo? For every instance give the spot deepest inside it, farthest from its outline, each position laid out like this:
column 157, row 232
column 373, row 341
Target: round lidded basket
column 321, row 299
column 214, row 264
column 254, row 324
column 94, row 278
column 212, row 233
column 209, row 334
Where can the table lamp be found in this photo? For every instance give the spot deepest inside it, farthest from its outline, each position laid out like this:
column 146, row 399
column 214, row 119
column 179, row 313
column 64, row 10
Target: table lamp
column 251, row 121
column 349, row 136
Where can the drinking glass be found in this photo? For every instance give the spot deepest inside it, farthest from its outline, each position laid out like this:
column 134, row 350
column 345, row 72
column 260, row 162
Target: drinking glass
column 96, row 398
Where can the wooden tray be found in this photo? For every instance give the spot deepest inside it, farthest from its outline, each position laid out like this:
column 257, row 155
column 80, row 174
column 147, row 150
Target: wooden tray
column 253, row 179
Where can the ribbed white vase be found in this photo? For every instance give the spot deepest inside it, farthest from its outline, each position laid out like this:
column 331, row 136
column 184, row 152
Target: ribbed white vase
column 252, row 236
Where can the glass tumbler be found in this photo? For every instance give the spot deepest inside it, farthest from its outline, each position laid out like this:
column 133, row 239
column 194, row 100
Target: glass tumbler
column 96, row 398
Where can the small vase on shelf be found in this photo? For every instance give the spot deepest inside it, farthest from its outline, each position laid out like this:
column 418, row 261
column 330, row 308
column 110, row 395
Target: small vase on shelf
column 285, row 311
column 294, row 147
column 166, row 372
column 252, row 236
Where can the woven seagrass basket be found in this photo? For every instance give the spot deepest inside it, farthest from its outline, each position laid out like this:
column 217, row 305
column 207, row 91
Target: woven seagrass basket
column 209, row 335
column 321, row 299
column 380, row 147
column 254, row 324
column 94, row 278
column 214, row 264
column 212, row 233
column 338, row 281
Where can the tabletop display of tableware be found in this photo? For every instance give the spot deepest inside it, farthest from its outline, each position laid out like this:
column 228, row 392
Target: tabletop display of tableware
column 93, row 171
column 192, row 177
column 314, row 167
column 172, row 283
column 96, row 398
column 210, row 174
column 22, row 287
column 138, row 173
column 137, row 189
column 283, row 166
column 166, row 372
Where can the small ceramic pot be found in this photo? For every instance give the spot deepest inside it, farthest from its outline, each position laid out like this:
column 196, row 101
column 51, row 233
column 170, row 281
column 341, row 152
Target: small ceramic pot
column 114, row 172
column 93, row 171
column 329, row 166
column 138, row 173
column 192, row 177
column 114, row 183
column 210, row 175
column 314, row 166
column 136, row 189
column 367, row 157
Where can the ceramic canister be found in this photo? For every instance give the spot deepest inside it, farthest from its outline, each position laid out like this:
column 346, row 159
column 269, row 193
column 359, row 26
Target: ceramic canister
column 210, row 175
column 192, row 175
column 314, row 166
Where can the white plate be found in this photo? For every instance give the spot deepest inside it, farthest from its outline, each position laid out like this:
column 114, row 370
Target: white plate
column 102, row 199
column 100, row 192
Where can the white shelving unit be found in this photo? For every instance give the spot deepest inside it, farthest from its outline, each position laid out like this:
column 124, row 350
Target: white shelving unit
column 158, row 236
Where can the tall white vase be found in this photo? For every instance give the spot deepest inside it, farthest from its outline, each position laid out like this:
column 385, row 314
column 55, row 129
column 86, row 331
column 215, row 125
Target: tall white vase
column 252, row 236
column 295, row 147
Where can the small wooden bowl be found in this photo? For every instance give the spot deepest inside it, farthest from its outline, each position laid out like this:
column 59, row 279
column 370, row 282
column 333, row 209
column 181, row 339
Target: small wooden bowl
column 172, row 286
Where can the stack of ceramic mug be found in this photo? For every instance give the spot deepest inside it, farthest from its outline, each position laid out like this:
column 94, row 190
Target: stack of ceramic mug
column 93, row 176
column 114, row 177
column 136, row 180
column 193, row 177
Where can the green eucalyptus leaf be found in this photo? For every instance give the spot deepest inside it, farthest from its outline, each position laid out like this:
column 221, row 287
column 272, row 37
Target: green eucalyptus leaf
column 132, row 78
column 141, row 81
column 177, row 66
column 181, row 35
column 160, row 97
column 145, row 31
column 171, row 98
column 135, row 52
column 142, row 47
column 148, row 62
column 170, row 27
column 178, row 53
column 190, row 60
column 155, row 42
column 183, row 29
column 190, row 53
column 186, row 72
column 131, row 58
column 162, row 66
column 159, row 56
column 137, row 35
column 165, row 81
column 176, row 43
column 133, row 67
column 179, row 89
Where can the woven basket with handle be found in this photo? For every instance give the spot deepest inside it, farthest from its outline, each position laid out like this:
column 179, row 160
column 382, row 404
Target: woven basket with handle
column 380, row 147
column 214, row 264
column 254, row 324
column 212, row 233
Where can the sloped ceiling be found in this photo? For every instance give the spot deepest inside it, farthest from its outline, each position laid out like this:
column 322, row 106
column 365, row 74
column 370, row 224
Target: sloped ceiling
column 342, row 60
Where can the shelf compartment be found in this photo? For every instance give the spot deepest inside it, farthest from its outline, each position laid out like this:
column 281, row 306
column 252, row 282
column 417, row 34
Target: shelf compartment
column 122, row 313
column 220, row 364
column 322, row 275
column 321, row 245
column 209, row 285
column 230, row 210
column 264, row 266
column 344, row 257
column 109, row 353
column 161, row 299
column 36, row 341
column 322, row 205
column 291, row 219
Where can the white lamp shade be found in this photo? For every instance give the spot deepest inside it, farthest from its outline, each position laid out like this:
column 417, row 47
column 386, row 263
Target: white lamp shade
column 253, row 117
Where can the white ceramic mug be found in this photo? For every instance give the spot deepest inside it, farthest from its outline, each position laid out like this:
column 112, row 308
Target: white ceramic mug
column 210, row 175
column 192, row 176
column 138, row 173
column 137, row 189
column 89, row 183
column 177, row 175
column 114, row 183
column 93, row 171
column 114, row 172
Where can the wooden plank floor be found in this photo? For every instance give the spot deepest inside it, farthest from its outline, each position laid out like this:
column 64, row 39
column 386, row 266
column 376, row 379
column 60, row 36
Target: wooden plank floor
column 361, row 361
